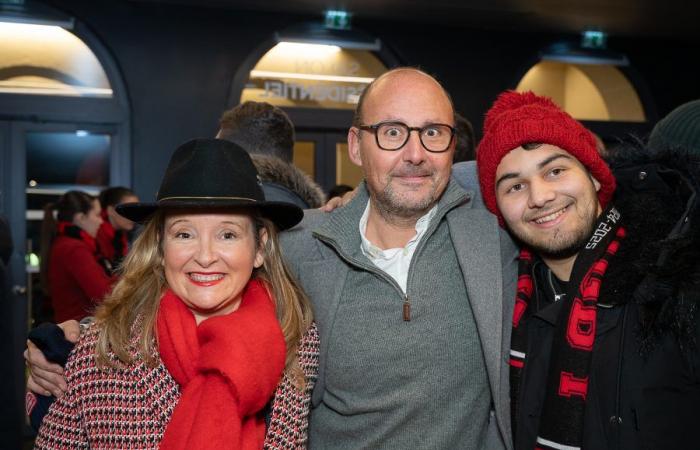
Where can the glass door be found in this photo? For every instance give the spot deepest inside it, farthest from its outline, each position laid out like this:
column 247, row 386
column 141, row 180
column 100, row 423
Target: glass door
column 323, row 155
column 46, row 161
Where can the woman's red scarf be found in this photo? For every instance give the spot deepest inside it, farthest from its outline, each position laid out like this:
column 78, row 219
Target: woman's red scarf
column 227, row 367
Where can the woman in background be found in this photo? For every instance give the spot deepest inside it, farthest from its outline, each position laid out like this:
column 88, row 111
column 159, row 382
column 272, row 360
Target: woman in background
column 73, row 272
column 113, row 234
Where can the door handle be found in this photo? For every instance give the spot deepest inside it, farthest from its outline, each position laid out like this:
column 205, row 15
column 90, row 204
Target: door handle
column 19, row 290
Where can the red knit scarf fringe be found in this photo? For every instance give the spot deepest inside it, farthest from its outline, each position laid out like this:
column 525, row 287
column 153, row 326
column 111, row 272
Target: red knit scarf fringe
column 227, row 367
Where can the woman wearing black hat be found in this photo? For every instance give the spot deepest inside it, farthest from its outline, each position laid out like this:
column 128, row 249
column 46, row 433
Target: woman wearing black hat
column 189, row 349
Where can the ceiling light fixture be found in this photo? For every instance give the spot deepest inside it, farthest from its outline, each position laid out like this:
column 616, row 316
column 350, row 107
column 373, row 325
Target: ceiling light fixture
column 318, row 33
column 592, row 49
column 34, row 13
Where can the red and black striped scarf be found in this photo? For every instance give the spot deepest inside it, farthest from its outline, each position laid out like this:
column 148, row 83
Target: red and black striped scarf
column 561, row 421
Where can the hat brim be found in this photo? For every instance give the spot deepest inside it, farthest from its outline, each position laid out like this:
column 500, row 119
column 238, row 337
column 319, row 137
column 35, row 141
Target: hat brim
column 284, row 215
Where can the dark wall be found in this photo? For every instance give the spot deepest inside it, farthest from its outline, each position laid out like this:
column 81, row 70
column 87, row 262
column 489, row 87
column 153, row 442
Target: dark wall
column 178, row 63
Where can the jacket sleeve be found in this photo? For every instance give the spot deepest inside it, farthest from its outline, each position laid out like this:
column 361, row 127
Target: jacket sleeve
column 298, row 243
column 289, row 420
column 62, row 426
column 89, row 275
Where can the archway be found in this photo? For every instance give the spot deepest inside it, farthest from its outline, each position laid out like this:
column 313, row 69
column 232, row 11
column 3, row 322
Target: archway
column 586, row 91
column 317, row 82
column 596, row 85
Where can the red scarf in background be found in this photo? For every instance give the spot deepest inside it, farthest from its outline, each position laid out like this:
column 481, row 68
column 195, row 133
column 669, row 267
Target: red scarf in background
column 227, row 367
column 72, row 230
column 115, row 243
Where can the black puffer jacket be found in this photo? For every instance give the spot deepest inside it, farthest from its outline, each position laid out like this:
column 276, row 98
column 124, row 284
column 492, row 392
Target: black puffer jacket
column 644, row 390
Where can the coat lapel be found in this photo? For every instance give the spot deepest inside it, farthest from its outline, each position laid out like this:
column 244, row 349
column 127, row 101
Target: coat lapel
column 323, row 281
column 476, row 237
column 323, row 275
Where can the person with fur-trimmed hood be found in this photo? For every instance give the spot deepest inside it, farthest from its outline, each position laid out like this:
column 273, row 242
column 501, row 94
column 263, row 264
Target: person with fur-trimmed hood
column 604, row 347
column 267, row 134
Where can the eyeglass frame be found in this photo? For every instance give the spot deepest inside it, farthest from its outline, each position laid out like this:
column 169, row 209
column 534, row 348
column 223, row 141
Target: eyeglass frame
column 374, row 127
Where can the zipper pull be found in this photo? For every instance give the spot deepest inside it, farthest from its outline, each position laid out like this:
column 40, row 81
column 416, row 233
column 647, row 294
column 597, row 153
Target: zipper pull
column 406, row 310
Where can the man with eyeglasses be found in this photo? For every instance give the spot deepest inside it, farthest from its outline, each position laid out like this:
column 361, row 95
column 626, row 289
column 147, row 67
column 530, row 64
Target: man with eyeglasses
column 407, row 287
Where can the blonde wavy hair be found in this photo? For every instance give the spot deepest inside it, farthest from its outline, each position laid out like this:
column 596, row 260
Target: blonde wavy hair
column 132, row 307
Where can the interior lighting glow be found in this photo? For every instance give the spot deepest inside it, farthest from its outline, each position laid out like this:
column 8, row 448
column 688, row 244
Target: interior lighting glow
column 309, row 76
column 31, row 31
column 312, row 50
column 33, row 259
column 48, row 60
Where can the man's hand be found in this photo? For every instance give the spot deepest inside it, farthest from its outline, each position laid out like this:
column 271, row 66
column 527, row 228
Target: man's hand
column 337, row 202
column 46, row 378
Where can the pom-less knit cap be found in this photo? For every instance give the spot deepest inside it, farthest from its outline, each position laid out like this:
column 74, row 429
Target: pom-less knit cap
column 521, row 118
column 212, row 173
column 679, row 130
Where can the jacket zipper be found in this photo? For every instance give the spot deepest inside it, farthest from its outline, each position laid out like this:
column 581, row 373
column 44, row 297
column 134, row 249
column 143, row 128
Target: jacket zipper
column 406, row 307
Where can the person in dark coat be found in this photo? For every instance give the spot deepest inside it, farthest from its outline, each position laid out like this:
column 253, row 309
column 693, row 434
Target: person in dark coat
column 267, row 134
column 604, row 348
column 679, row 130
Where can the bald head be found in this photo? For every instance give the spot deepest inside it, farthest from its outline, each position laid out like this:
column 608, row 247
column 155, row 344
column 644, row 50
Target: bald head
column 405, row 183
column 399, row 75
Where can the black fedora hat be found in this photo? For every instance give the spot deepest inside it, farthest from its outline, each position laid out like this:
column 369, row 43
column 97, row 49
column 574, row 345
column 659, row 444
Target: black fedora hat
column 212, row 173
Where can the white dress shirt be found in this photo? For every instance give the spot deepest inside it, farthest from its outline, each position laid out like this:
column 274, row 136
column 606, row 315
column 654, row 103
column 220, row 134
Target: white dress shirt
column 394, row 261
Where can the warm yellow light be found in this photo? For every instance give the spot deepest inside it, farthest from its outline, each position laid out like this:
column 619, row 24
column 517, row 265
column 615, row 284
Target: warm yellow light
column 31, row 31
column 308, row 76
column 26, row 50
column 313, row 50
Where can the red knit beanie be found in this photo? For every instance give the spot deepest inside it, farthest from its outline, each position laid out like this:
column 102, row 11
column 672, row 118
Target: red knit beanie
column 521, row 118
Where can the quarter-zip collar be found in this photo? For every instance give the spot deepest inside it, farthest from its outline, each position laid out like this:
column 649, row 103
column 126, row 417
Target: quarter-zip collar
column 341, row 229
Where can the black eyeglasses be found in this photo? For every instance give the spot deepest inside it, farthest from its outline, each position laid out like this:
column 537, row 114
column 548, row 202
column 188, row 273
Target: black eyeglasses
column 435, row 137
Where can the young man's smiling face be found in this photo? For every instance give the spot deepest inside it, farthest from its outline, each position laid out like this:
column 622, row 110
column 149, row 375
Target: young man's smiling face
column 548, row 199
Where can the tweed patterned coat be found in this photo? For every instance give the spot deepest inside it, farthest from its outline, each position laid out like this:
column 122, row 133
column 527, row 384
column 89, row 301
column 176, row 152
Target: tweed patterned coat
column 130, row 407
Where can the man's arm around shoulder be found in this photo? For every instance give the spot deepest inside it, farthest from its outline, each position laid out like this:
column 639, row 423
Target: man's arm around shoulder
column 298, row 243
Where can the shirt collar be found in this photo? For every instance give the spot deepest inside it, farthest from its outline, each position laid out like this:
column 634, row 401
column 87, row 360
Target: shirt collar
column 372, row 251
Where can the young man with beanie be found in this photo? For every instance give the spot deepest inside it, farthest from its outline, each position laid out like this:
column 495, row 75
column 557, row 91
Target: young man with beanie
column 604, row 347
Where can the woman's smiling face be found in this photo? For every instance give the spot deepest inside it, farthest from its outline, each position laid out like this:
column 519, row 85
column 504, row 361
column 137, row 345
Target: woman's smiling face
column 209, row 258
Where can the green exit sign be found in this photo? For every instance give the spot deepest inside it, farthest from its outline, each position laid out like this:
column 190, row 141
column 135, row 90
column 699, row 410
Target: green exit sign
column 337, row 20
column 594, row 39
